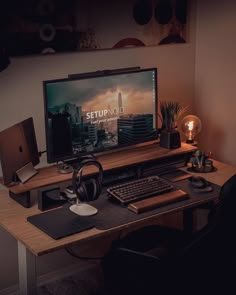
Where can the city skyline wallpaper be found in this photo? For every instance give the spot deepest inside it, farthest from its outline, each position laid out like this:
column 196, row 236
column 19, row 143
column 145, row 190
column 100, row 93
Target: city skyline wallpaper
column 137, row 92
column 97, row 113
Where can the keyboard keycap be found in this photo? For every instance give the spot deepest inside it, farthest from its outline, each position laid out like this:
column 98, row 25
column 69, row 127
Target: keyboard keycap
column 140, row 189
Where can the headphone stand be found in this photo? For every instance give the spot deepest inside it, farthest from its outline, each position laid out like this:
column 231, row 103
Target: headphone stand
column 83, row 209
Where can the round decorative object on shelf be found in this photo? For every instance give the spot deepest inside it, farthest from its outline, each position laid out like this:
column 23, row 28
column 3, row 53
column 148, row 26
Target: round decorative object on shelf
column 47, row 32
column 201, row 163
column 203, row 169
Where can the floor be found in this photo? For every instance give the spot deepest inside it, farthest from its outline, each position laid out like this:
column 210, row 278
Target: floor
column 91, row 283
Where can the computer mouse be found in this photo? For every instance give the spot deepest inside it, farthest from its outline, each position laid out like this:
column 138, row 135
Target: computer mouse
column 198, row 182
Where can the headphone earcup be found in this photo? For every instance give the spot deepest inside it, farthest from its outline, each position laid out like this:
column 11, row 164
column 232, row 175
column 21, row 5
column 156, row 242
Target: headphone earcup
column 93, row 195
column 98, row 186
column 82, row 192
column 92, row 189
column 87, row 190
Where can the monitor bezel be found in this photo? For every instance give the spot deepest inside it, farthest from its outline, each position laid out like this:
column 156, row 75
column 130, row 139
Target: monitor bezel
column 92, row 75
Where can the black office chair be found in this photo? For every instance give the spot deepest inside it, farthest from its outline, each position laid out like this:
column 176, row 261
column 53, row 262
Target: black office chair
column 163, row 260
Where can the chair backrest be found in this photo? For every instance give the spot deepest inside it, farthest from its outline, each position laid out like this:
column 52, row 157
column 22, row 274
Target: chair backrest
column 227, row 209
column 228, row 200
column 222, row 220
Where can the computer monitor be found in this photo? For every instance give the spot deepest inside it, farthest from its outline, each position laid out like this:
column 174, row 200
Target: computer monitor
column 18, row 147
column 96, row 113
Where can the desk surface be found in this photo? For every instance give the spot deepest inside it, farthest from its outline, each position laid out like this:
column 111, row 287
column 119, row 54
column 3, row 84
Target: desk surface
column 13, row 217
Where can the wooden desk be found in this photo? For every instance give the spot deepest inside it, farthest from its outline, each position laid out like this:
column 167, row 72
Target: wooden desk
column 140, row 155
column 32, row 242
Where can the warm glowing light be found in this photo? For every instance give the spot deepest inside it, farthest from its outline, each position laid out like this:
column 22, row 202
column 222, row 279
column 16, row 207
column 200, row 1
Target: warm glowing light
column 191, row 125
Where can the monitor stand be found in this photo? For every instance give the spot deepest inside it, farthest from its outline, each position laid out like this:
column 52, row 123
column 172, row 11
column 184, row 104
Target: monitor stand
column 64, row 168
column 69, row 165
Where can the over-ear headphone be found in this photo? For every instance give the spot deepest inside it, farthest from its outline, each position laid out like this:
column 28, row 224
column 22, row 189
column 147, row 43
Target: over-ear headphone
column 87, row 190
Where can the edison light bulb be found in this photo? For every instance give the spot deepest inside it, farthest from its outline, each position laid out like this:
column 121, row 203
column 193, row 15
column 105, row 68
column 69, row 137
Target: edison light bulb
column 191, row 126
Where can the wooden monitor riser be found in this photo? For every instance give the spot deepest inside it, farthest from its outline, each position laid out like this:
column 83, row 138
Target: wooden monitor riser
column 110, row 162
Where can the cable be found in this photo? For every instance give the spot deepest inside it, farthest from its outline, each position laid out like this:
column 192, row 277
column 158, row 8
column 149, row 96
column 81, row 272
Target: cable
column 41, row 152
column 71, row 252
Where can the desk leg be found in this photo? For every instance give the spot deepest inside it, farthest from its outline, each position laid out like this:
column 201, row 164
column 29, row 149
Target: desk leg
column 27, row 271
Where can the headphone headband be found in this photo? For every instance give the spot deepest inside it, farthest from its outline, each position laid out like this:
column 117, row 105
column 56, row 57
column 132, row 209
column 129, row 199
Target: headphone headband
column 77, row 176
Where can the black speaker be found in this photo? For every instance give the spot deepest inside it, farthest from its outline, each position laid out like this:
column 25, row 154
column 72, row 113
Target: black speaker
column 89, row 189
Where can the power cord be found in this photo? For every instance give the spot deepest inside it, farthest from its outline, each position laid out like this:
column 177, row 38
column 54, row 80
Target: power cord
column 73, row 254
column 41, row 152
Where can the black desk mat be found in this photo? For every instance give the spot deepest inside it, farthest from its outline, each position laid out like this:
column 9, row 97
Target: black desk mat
column 62, row 222
column 111, row 214
column 59, row 223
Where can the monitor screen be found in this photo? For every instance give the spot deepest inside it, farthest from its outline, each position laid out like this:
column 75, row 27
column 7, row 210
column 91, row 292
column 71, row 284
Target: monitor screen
column 92, row 114
column 18, row 147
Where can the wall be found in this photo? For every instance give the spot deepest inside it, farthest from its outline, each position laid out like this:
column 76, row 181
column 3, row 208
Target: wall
column 21, row 96
column 21, row 84
column 215, row 77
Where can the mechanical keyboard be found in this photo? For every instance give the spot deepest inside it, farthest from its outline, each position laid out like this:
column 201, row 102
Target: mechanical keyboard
column 142, row 188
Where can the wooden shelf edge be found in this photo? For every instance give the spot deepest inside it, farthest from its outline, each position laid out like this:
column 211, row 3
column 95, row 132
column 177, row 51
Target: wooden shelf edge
column 49, row 175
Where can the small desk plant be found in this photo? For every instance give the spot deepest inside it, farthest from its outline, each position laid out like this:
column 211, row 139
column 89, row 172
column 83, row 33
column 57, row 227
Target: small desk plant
column 201, row 162
column 170, row 112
